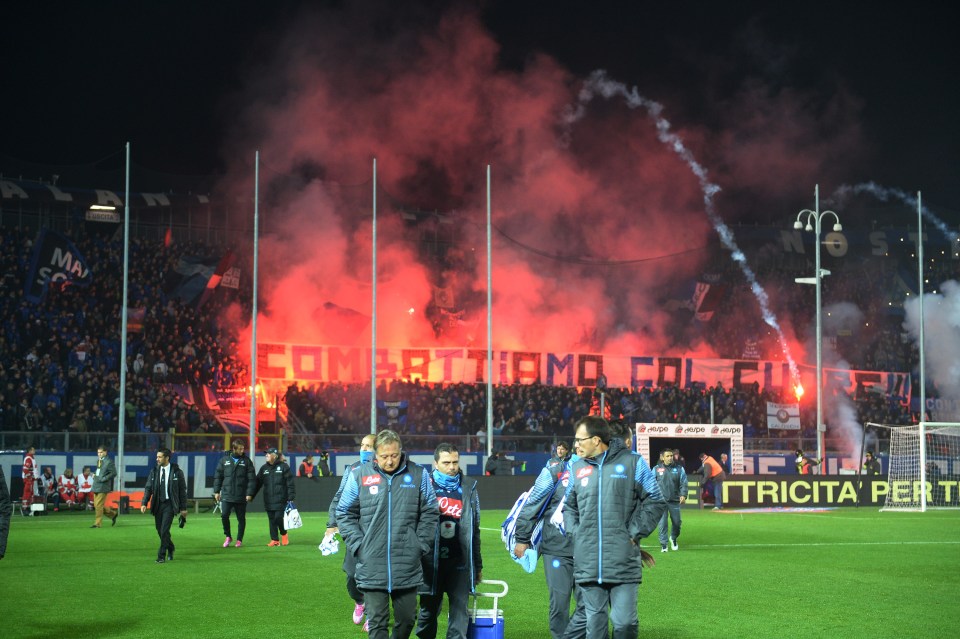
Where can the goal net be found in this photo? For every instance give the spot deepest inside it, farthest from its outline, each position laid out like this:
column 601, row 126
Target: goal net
column 924, row 467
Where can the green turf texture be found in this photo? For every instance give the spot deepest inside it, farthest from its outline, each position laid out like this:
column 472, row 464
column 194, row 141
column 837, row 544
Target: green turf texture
column 842, row 573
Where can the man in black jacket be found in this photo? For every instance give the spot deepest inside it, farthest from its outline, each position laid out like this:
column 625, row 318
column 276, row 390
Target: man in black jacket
column 166, row 492
column 234, row 483
column 6, row 511
column 276, row 480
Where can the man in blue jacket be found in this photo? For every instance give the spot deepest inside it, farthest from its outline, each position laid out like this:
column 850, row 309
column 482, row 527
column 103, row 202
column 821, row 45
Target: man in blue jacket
column 672, row 479
column 613, row 502
column 555, row 547
column 388, row 517
column 349, row 561
column 455, row 567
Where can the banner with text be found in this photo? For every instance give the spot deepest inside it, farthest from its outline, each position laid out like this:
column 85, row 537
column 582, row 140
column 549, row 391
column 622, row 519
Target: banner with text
column 312, row 363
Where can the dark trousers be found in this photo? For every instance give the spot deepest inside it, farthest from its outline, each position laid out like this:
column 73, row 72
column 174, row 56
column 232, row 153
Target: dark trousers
column 239, row 507
column 377, row 607
column 455, row 583
column 353, row 591
column 163, row 517
column 275, row 517
column 4, row 531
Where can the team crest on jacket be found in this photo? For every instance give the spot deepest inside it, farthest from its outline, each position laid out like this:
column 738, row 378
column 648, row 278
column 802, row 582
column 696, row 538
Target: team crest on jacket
column 407, row 479
column 370, row 480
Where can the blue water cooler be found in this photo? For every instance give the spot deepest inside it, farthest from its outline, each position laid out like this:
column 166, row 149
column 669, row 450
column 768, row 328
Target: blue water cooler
column 487, row 623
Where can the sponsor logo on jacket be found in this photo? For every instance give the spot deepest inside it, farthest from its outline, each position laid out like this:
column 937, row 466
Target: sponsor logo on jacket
column 583, row 472
column 370, row 480
column 451, row 507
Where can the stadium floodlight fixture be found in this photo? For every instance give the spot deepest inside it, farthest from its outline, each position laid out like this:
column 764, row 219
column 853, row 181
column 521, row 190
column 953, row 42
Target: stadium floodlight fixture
column 814, row 219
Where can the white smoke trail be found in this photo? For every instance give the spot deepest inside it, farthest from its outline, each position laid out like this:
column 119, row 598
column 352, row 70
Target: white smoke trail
column 942, row 337
column 599, row 84
column 884, row 193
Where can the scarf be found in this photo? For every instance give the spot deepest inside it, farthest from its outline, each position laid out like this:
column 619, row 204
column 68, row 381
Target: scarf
column 446, row 482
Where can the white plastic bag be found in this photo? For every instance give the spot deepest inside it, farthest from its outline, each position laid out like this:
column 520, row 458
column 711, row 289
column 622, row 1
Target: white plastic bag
column 291, row 517
column 330, row 545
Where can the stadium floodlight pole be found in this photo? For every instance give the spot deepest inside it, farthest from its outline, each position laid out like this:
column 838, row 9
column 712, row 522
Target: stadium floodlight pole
column 489, row 324
column 373, row 314
column 122, row 417
column 814, row 219
column 923, row 381
column 253, row 320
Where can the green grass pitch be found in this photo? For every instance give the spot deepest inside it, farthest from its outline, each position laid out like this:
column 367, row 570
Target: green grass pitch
column 841, row 573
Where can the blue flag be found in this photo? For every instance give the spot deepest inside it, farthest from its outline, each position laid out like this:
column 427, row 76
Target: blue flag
column 55, row 262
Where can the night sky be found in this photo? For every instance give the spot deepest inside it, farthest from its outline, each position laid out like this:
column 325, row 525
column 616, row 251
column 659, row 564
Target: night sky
column 80, row 79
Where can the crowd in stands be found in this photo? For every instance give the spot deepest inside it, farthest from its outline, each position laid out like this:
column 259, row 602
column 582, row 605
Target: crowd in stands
column 59, row 359
column 526, row 416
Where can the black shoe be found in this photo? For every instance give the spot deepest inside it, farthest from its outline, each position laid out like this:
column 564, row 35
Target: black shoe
column 160, row 561
column 94, row 526
column 113, row 520
column 170, row 555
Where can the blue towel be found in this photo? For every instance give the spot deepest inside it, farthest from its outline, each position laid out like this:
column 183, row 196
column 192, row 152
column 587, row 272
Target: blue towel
column 529, row 560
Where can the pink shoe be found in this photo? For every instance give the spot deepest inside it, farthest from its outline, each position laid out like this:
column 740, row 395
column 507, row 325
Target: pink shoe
column 358, row 614
column 238, row 544
column 366, row 626
column 226, row 542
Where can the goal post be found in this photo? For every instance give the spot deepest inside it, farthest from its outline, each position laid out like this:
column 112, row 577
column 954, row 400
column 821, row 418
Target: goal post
column 924, row 467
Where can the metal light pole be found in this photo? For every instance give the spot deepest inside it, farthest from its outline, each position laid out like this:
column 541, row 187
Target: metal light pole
column 813, row 223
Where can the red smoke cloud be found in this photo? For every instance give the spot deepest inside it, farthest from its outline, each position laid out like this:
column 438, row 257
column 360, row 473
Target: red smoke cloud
column 597, row 223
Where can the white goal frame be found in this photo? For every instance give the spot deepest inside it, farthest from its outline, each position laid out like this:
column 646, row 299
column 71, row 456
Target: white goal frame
column 909, row 443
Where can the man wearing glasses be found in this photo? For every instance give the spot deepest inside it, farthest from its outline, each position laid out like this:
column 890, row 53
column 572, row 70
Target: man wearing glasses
column 613, row 501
